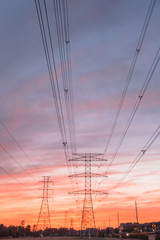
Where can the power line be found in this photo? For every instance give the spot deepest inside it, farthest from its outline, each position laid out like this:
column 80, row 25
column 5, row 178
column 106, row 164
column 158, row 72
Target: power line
column 57, row 99
column 56, row 77
column 54, row 86
column 17, row 162
column 17, row 180
column 130, row 73
column 137, row 103
column 62, row 27
column 146, row 147
column 68, row 53
column 53, row 81
column 129, row 76
column 13, row 138
column 70, row 68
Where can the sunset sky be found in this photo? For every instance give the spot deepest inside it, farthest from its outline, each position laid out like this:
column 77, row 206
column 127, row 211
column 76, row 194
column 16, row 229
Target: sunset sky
column 103, row 38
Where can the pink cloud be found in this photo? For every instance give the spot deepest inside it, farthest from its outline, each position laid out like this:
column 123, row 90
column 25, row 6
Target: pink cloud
column 152, row 191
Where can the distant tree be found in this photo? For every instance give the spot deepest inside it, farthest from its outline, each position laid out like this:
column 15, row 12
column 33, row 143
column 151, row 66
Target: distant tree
column 62, row 231
column 12, row 231
column 28, row 230
column 22, row 223
column 2, row 230
column 107, row 231
column 34, row 227
column 48, row 232
column 101, row 233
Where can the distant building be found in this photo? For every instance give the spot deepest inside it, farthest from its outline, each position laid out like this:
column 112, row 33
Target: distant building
column 126, row 227
column 137, row 227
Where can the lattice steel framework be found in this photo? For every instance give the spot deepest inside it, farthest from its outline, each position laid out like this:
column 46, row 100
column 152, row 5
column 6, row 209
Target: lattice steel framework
column 88, row 218
column 44, row 213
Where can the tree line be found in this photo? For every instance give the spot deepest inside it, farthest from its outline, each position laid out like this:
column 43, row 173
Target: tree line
column 21, row 231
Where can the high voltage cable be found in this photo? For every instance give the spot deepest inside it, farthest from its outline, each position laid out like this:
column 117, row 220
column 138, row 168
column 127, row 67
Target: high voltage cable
column 71, row 88
column 64, row 62
column 62, row 27
column 149, row 143
column 16, row 179
column 66, row 90
column 137, row 103
column 60, row 45
column 68, row 53
column 13, row 138
column 56, row 77
column 57, row 101
column 17, row 162
column 129, row 76
column 54, row 86
column 130, row 73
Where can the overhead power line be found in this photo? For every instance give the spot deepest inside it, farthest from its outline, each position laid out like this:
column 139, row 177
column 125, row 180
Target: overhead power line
column 137, row 103
column 13, row 138
column 45, row 30
column 62, row 27
column 63, row 38
column 53, row 81
column 17, row 162
column 145, row 148
column 132, row 67
column 17, row 180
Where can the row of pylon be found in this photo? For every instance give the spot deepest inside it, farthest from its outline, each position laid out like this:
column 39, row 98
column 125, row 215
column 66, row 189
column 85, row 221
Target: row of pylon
column 88, row 218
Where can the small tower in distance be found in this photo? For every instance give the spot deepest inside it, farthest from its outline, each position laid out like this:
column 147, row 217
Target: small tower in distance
column 44, row 213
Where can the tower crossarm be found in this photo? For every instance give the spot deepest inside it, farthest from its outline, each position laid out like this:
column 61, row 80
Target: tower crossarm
column 81, row 175
column 89, row 192
column 88, row 154
column 75, row 159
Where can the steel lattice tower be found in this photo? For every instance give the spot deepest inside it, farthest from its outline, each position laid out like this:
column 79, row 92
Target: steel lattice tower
column 44, row 213
column 88, row 218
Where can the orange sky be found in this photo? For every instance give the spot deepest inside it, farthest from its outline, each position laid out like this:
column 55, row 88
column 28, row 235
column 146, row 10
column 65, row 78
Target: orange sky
column 20, row 203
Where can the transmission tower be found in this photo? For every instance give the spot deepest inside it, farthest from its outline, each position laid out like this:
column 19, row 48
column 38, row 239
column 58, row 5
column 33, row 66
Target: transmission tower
column 88, row 218
column 44, row 213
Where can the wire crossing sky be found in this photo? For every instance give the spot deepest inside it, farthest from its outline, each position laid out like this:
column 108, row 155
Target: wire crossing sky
column 64, row 66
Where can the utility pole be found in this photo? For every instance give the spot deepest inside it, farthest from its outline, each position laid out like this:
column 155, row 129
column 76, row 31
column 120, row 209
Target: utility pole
column 88, row 218
column 136, row 211
column 104, row 224
column 118, row 218
column 44, row 213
